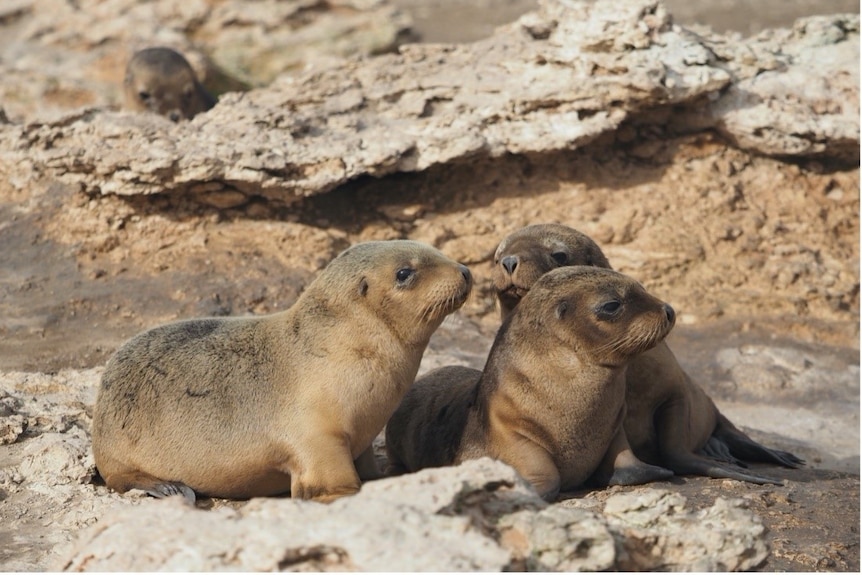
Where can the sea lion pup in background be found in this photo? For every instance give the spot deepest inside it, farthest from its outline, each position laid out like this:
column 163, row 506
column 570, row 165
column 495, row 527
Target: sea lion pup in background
column 257, row 406
column 161, row 80
column 671, row 421
column 551, row 399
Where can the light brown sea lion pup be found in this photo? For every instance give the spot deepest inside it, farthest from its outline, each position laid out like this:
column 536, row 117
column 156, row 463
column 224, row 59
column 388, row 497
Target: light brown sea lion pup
column 257, row 406
column 671, row 421
column 550, row 401
column 161, row 80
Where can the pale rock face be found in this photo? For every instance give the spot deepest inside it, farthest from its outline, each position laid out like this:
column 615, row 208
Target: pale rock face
column 61, row 55
column 555, row 80
column 477, row 516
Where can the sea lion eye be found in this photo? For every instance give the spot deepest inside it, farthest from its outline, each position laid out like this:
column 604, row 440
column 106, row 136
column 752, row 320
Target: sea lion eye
column 404, row 274
column 608, row 309
column 144, row 95
column 562, row 258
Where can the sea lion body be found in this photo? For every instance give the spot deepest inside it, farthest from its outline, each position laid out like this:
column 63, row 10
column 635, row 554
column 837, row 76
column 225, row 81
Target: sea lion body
column 551, row 398
column 245, row 407
column 160, row 80
column 670, row 420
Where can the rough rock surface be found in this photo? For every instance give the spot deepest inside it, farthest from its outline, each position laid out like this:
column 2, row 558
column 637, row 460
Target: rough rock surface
column 449, row 519
column 555, row 80
column 56, row 55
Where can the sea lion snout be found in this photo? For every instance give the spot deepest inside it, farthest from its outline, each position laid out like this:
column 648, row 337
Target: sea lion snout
column 465, row 273
column 509, row 263
column 670, row 313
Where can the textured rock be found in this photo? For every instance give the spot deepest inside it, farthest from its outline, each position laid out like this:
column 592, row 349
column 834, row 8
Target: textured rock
column 477, row 516
column 798, row 92
column 368, row 532
column 556, row 79
column 63, row 55
column 659, row 534
column 559, row 539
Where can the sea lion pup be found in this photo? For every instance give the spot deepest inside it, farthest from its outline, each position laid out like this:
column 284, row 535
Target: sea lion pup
column 671, row 421
column 258, row 406
column 550, row 401
column 161, row 80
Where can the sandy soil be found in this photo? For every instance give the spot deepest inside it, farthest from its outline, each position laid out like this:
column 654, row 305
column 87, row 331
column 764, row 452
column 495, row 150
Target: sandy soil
column 759, row 257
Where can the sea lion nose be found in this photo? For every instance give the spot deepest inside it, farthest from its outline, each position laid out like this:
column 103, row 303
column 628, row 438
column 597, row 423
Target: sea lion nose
column 671, row 315
column 465, row 273
column 174, row 116
column 510, row 263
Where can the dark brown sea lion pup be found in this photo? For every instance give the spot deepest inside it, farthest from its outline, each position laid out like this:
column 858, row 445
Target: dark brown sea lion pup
column 161, row 80
column 551, row 399
column 257, row 406
column 671, row 421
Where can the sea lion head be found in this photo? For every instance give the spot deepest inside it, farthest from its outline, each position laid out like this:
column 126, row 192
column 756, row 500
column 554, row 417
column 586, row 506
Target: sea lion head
column 598, row 312
column 527, row 254
column 160, row 80
column 408, row 285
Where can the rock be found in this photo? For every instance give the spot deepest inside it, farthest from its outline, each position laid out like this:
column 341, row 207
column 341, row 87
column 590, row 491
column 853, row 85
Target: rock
column 555, row 80
column 477, row 516
column 559, row 539
column 766, row 371
column 64, row 55
column 802, row 100
column 658, row 534
column 12, row 426
column 368, row 532
column 58, row 459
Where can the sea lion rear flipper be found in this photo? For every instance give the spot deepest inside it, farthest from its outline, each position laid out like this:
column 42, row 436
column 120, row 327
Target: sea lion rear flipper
column 151, row 485
column 719, row 450
column 743, row 447
column 171, row 488
column 620, row 466
column 672, row 430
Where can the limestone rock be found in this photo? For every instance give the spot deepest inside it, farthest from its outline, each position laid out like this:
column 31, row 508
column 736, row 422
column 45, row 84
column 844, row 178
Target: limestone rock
column 477, row 516
column 556, row 79
column 63, row 55
column 559, row 539
column 659, row 534
column 366, row 532
column 54, row 459
column 800, row 94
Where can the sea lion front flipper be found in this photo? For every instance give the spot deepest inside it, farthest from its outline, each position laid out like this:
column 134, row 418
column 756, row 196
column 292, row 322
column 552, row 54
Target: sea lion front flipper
column 620, row 466
column 366, row 465
column 743, row 447
column 671, row 423
column 324, row 470
column 532, row 462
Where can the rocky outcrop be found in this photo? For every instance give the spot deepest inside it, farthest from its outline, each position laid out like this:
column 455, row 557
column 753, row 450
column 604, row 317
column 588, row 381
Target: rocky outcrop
column 59, row 55
column 556, row 79
column 478, row 516
column 797, row 91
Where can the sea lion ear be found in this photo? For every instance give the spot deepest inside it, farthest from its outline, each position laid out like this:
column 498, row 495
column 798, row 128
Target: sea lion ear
column 363, row 287
column 561, row 310
column 600, row 261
